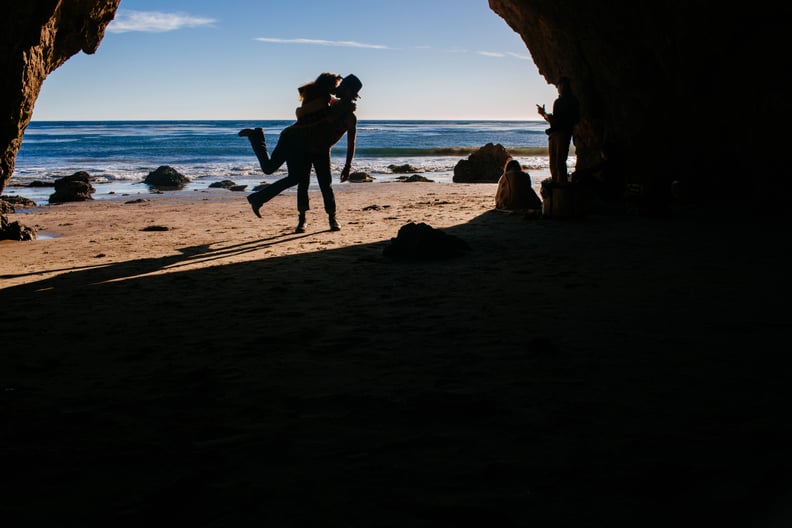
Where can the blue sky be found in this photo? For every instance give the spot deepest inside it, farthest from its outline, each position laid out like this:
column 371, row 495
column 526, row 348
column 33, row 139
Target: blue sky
column 243, row 59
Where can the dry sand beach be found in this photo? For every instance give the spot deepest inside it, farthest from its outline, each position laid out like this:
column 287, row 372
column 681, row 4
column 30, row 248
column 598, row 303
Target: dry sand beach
column 228, row 372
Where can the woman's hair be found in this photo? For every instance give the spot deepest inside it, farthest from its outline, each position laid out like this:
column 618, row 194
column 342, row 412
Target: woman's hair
column 512, row 165
column 322, row 86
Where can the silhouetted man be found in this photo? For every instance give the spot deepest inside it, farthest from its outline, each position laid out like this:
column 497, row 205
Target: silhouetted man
column 566, row 114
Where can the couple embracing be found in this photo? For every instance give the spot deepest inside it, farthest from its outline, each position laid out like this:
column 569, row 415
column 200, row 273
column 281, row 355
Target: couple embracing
column 326, row 113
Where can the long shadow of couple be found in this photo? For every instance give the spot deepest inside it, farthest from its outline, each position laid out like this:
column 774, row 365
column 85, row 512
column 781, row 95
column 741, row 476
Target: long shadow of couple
column 77, row 276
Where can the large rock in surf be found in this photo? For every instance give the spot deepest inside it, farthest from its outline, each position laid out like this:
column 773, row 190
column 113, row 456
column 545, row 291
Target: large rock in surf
column 74, row 188
column 166, row 177
column 483, row 166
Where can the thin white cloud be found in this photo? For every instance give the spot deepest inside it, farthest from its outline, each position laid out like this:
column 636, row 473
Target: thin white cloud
column 493, row 54
column 155, row 21
column 520, row 56
column 317, row 42
column 502, row 55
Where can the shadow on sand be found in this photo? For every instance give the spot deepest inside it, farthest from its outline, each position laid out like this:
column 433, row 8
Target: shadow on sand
column 616, row 370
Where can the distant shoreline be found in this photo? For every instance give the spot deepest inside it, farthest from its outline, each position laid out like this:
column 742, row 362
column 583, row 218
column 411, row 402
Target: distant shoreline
column 285, row 119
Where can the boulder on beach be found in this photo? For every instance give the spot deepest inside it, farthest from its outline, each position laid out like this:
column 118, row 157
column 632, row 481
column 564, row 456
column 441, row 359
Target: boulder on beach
column 8, row 203
column 21, row 201
column 227, row 184
column 74, row 188
column 166, row 177
column 402, row 169
column 414, row 178
column 360, row 177
column 483, row 166
column 15, row 230
column 222, row 184
column 420, row 241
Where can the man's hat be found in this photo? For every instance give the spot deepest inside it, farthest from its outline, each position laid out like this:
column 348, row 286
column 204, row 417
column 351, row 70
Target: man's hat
column 352, row 83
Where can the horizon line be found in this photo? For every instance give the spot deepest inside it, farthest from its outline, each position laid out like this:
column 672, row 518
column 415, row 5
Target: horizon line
column 162, row 120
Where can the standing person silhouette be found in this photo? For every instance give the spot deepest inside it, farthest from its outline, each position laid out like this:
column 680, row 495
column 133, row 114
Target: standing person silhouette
column 566, row 114
column 308, row 143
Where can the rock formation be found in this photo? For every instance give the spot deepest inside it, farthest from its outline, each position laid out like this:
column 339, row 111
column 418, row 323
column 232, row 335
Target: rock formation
column 483, row 166
column 15, row 230
column 423, row 242
column 166, row 177
column 37, row 36
column 74, row 188
column 663, row 82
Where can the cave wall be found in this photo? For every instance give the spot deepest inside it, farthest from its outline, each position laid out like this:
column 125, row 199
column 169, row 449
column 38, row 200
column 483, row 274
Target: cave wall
column 37, row 36
column 688, row 91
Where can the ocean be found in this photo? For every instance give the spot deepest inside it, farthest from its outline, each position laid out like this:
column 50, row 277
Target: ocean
column 119, row 154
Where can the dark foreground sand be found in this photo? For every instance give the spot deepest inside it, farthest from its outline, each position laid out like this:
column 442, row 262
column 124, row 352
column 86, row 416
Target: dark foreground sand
column 226, row 372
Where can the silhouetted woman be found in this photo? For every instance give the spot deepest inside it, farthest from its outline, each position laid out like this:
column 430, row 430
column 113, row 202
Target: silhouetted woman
column 514, row 192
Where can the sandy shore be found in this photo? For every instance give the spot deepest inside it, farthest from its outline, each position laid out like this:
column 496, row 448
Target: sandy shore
column 225, row 370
